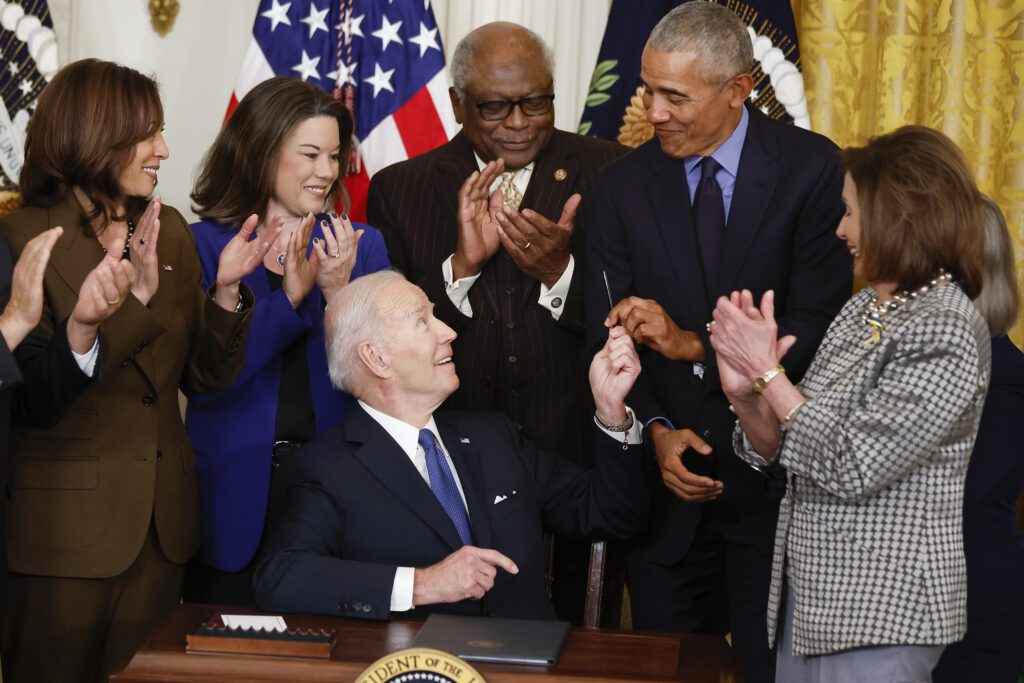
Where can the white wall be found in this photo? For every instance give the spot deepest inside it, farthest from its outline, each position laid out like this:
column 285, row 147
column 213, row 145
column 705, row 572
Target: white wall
column 197, row 63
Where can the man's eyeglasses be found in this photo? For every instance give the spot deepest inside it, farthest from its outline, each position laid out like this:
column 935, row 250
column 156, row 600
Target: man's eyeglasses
column 496, row 110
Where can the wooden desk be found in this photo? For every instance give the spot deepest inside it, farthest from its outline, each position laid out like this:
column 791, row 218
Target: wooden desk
column 588, row 655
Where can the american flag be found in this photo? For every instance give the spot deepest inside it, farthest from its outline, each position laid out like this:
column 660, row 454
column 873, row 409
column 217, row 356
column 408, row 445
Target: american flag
column 382, row 58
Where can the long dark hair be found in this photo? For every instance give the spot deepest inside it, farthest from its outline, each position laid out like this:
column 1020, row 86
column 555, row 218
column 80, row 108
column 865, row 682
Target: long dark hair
column 237, row 175
column 82, row 134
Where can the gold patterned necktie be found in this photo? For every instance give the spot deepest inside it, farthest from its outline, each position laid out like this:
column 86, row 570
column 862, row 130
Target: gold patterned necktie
column 510, row 194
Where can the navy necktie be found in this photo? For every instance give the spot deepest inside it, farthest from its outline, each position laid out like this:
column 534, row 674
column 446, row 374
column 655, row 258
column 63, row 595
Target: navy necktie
column 442, row 483
column 709, row 216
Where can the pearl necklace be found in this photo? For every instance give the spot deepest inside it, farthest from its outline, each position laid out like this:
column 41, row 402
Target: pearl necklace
column 875, row 311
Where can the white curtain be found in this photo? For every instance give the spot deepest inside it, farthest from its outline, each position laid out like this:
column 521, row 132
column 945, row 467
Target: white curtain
column 198, row 61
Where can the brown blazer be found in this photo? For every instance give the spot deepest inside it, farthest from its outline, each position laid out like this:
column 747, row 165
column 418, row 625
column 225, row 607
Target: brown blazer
column 93, row 465
column 512, row 356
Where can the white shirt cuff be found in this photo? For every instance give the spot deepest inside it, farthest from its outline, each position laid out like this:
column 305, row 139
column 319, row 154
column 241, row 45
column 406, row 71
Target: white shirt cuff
column 554, row 298
column 634, row 436
column 458, row 290
column 401, row 589
column 87, row 361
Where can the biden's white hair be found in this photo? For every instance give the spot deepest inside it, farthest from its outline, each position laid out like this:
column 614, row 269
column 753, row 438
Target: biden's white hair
column 354, row 317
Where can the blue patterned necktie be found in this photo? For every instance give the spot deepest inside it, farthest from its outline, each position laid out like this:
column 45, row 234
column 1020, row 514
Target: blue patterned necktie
column 442, row 483
column 709, row 215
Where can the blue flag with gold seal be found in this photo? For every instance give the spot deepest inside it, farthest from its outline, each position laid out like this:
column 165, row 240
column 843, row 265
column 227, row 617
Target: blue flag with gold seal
column 613, row 107
column 28, row 60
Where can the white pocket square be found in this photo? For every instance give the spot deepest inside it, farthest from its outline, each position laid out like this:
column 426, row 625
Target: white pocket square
column 463, row 439
column 498, row 499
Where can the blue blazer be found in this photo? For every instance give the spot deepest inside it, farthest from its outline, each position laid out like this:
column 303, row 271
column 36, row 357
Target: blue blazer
column 233, row 432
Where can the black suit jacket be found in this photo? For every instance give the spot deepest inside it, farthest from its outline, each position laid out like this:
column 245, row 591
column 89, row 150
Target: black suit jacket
column 512, row 356
column 358, row 509
column 10, row 377
column 780, row 235
column 992, row 543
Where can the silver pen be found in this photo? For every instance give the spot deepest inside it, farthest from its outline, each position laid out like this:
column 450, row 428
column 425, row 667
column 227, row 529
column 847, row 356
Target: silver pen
column 608, row 290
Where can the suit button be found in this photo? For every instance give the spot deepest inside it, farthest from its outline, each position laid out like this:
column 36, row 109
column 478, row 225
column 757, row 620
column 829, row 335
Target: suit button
column 276, row 462
column 493, row 321
column 512, row 359
column 510, row 324
column 514, row 393
column 124, row 364
column 148, row 400
column 159, row 456
column 510, row 291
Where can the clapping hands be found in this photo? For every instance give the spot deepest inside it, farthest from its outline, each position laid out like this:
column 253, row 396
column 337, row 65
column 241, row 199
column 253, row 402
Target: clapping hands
column 330, row 260
column 745, row 340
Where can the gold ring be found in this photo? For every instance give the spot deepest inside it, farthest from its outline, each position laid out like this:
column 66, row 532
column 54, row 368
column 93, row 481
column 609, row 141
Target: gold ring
column 708, row 326
column 526, row 246
column 336, row 255
column 114, row 302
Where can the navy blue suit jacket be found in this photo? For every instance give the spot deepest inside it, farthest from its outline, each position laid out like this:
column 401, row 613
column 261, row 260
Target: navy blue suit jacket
column 233, row 432
column 993, row 544
column 780, row 235
column 358, row 509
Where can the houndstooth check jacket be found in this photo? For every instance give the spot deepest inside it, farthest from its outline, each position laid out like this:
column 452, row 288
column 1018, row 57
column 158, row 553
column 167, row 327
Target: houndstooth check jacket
column 870, row 531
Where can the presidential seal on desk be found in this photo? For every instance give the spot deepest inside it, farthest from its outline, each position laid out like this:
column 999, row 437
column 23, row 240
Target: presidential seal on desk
column 420, row 664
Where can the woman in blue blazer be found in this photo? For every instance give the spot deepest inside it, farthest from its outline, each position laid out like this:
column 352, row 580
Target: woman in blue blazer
column 280, row 155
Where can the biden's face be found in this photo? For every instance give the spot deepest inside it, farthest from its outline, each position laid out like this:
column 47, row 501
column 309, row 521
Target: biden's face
column 419, row 347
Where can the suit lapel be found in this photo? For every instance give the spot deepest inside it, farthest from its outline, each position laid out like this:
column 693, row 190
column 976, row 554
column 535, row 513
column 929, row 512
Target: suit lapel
column 467, row 463
column 163, row 303
column 755, row 184
column 75, row 253
column 389, row 464
column 546, row 194
column 670, row 202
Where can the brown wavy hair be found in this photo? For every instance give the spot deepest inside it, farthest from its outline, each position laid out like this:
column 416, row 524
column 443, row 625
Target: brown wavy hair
column 236, row 178
column 920, row 209
column 82, row 134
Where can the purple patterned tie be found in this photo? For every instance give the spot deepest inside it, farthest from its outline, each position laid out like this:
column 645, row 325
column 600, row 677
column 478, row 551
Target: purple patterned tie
column 709, row 215
column 442, row 483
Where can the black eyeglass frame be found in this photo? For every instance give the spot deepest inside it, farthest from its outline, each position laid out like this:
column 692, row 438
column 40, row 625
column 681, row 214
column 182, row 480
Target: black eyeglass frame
column 523, row 103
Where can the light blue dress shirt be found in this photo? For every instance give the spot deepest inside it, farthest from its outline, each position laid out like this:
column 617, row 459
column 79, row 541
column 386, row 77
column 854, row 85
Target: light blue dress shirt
column 728, row 156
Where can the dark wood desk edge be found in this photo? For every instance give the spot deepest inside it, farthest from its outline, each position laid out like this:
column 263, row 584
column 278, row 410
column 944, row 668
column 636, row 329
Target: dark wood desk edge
column 162, row 661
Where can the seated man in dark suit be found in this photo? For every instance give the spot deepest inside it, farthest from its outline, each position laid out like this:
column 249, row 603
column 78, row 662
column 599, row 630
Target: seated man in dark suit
column 398, row 509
